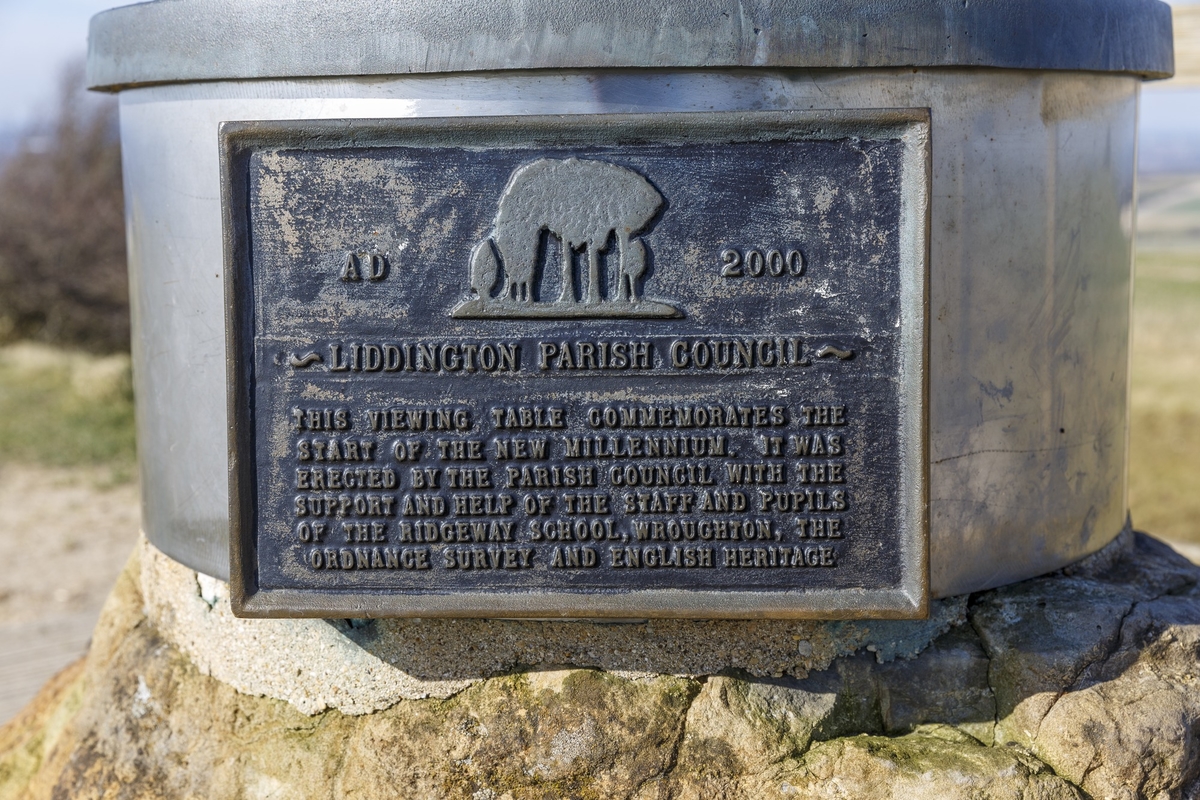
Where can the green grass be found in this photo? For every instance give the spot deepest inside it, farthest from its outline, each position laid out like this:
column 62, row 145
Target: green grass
column 1164, row 457
column 60, row 408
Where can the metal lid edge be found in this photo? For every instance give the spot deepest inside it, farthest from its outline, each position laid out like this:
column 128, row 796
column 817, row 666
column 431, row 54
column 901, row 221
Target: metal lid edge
column 173, row 41
column 170, row 41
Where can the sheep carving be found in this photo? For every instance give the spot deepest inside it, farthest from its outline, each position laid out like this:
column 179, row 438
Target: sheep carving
column 583, row 203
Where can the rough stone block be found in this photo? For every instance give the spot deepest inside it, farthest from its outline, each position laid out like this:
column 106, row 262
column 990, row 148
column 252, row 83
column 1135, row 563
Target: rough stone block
column 1078, row 684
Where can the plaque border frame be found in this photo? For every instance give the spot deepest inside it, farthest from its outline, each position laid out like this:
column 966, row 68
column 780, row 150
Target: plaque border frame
column 909, row 599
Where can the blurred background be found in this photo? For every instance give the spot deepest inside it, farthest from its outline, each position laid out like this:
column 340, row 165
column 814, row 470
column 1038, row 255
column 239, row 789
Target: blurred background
column 67, row 458
column 67, row 452
column 1164, row 458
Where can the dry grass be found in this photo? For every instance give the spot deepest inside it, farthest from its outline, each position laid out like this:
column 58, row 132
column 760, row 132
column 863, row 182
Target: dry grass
column 62, row 409
column 1164, row 459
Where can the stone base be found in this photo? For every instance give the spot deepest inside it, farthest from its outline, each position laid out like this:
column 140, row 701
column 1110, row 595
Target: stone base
column 1080, row 683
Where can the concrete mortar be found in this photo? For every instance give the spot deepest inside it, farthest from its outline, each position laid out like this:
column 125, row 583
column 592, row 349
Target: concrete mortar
column 364, row 666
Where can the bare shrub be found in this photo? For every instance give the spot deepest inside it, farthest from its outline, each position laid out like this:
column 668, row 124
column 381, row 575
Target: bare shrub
column 62, row 228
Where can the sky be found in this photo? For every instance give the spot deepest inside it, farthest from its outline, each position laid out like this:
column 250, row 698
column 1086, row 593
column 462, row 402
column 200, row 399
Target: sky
column 38, row 36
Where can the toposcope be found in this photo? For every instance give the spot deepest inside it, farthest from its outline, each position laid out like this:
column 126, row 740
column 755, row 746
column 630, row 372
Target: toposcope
column 675, row 309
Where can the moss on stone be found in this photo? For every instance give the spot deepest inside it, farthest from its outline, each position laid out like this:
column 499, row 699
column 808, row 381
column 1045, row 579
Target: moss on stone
column 26, row 740
column 936, row 762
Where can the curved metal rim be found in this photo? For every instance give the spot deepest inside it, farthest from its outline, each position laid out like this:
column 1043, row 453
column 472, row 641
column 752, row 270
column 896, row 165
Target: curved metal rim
column 170, row 41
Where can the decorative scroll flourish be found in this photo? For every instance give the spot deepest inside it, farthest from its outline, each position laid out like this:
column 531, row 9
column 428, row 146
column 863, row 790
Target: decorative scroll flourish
column 829, row 350
column 306, row 360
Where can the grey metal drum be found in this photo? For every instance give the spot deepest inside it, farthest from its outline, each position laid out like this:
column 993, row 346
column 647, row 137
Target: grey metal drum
column 1031, row 245
column 1032, row 112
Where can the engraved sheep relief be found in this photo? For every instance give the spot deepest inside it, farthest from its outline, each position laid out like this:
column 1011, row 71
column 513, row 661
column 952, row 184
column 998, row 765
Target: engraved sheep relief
column 594, row 210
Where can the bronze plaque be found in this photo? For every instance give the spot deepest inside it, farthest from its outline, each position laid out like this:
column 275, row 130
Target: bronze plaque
column 580, row 366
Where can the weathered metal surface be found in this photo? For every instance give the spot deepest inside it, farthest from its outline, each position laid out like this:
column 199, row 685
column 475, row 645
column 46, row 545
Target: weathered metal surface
column 592, row 366
column 192, row 40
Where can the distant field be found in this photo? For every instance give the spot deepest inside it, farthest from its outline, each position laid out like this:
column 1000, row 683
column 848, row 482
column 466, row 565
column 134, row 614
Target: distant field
column 1164, row 460
column 62, row 409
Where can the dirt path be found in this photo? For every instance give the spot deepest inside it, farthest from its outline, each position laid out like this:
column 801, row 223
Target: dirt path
column 65, row 535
